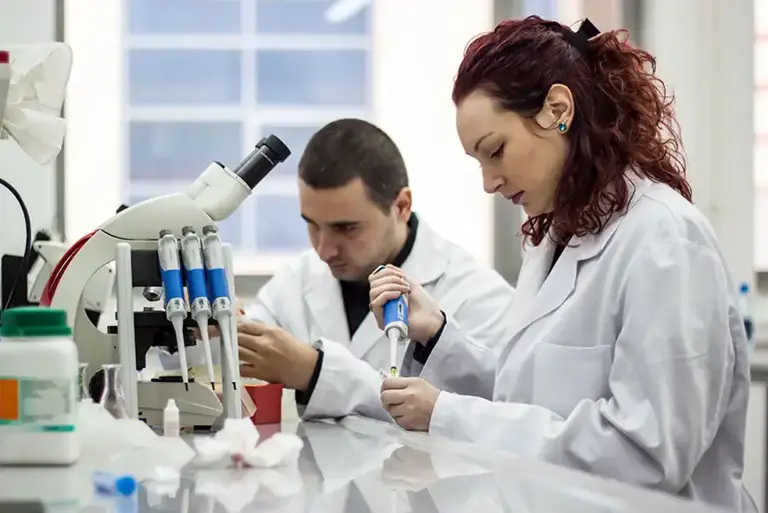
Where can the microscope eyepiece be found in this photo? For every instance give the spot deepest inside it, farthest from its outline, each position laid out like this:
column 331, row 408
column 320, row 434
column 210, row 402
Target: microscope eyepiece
column 269, row 152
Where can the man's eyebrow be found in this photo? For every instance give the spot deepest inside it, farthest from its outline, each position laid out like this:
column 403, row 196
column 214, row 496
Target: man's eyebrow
column 336, row 224
column 344, row 224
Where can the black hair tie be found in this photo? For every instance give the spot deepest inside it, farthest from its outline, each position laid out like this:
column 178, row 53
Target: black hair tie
column 580, row 38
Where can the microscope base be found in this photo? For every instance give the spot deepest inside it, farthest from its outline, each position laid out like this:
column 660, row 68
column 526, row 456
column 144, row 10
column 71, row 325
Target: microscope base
column 198, row 406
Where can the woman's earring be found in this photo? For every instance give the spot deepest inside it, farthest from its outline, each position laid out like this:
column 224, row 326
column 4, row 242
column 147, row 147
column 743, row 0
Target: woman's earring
column 562, row 127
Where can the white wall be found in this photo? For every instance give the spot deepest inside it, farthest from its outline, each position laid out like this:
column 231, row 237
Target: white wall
column 94, row 145
column 412, row 102
column 25, row 21
column 417, row 53
column 705, row 53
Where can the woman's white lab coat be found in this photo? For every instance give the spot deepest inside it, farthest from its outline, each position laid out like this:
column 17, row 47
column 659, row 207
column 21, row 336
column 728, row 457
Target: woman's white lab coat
column 305, row 299
column 628, row 360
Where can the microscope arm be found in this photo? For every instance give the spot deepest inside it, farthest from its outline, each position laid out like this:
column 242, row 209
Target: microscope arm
column 95, row 295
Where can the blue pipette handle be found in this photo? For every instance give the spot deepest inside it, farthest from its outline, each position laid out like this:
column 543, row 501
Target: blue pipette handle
column 396, row 314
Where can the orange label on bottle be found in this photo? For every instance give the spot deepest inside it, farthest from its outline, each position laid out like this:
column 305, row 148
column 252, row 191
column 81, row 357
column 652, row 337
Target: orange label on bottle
column 9, row 400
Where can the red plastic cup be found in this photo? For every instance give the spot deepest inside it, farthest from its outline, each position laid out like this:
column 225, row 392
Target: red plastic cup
column 269, row 403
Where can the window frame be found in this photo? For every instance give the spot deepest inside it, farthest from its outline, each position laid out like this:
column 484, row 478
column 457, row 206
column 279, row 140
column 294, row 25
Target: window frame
column 249, row 259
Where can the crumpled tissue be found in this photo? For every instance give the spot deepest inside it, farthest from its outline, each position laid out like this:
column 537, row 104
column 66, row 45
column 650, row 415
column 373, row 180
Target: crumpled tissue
column 127, row 444
column 238, row 443
column 39, row 76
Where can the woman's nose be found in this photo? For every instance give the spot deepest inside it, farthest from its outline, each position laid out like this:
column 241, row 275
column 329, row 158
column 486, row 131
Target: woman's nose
column 491, row 183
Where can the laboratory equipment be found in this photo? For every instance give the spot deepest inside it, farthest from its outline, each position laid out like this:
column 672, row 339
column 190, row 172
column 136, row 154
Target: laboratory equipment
column 173, row 288
column 395, row 313
column 38, row 388
column 112, row 398
column 396, row 328
column 199, row 305
column 218, row 290
column 106, row 483
column 745, row 308
column 82, row 384
column 33, row 79
column 212, row 197
column 171, row 421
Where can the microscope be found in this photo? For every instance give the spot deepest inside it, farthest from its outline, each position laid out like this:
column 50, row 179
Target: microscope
column 130, row 242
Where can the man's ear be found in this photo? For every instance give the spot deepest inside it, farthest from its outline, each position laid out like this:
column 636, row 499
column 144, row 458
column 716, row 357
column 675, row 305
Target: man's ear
column 403, row 204
column 558, row 109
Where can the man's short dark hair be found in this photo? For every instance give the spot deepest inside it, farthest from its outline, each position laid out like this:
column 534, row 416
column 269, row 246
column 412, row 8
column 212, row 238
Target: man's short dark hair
column 346, row 149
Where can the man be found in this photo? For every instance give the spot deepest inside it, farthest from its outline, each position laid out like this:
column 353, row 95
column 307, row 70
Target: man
column 311, row 328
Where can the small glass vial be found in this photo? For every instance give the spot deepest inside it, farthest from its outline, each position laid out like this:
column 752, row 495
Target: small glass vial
column 112, row 398
column 82, row 382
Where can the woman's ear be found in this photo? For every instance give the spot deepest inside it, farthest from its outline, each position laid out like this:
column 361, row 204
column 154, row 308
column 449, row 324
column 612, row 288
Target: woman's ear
column 558, row 109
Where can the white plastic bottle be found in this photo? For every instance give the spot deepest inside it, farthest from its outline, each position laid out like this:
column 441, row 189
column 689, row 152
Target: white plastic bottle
column 38, row 388
column 171, row 420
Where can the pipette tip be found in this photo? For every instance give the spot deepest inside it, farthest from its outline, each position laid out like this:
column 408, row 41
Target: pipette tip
column 186, row 387
column 213, row 386
column 393, row 371
column 234, row 386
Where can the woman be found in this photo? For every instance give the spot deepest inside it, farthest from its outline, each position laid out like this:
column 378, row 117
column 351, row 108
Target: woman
column 627, row 357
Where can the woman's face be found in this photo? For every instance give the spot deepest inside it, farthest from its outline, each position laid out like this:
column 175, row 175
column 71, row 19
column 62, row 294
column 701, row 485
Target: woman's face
column 521, row 159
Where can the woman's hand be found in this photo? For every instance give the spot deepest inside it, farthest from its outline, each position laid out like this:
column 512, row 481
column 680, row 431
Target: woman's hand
column 410, row 401
column 424, row 315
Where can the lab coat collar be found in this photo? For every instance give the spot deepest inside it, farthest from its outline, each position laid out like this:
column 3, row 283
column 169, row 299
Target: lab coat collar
column 544, row 290
column 322, row 293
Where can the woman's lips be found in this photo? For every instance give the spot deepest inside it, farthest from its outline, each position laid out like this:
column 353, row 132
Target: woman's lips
column 517, row 199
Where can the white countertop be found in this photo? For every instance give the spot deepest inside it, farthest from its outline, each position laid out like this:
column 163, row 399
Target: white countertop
column 357, row 466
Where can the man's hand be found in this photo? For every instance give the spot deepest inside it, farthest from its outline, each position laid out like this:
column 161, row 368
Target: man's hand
column 410, row 401
column 272, row 354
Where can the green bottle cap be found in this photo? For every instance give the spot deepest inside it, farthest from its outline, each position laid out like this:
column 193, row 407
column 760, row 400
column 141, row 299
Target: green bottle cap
column 34, row 321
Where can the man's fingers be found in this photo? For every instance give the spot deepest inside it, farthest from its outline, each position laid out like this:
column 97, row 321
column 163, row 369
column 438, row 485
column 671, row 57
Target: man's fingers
column 378, row 299
column 385, row 280
column 253, row 328
column 386, row 271
column 248, row 357
column 251, row 342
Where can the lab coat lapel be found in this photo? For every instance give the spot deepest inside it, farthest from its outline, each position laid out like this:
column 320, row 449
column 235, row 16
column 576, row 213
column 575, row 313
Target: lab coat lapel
column 323, row 299
column 424, row 265
column 544, row 290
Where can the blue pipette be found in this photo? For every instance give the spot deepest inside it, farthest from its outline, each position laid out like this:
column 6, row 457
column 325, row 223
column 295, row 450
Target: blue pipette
column 218, row 295
column 175, row 309
column 199, row 305
column 395, row 325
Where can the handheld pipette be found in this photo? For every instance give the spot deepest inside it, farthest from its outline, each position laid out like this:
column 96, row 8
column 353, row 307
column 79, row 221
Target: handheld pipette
column 175, row 311
column 218, row 295
column 192, row 256
column 395, row 326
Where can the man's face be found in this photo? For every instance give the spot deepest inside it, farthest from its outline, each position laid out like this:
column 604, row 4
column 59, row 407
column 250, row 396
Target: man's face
column 348, row 230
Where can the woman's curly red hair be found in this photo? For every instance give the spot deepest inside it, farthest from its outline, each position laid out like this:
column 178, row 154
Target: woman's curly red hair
column 623, row 120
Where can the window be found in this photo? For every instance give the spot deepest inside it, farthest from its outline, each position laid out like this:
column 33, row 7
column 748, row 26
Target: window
column 201, row 108
column 206, row 79
column 761, row 134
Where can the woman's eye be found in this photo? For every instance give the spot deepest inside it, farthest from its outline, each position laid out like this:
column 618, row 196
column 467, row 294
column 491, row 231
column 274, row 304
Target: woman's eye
column 498, row 153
